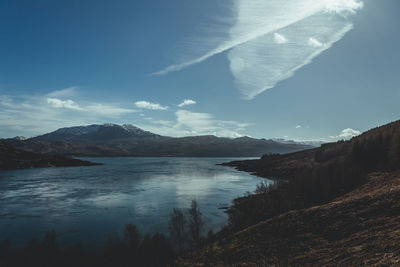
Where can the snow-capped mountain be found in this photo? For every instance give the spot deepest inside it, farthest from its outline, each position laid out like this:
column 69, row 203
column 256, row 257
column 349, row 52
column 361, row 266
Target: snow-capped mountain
column 128, row 140
column 95, row 132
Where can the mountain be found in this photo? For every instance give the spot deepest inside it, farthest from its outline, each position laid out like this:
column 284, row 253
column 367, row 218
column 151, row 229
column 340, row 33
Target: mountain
column 336, row 205
column 12, row 158
column 127, row 140
column 95, row 133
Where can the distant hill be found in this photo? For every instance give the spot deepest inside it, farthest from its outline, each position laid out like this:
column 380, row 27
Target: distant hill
column 12, row 158
column 333, row 205
column 127, row 140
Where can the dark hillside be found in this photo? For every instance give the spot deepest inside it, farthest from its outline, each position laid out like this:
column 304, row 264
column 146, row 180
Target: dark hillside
column 334, row 205
column 318, row 175
column 361, row 228
column 11, row 158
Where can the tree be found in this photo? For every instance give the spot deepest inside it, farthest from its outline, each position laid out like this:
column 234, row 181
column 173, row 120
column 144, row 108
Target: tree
column 195, row 224
column 132, row 236
column 177, row 225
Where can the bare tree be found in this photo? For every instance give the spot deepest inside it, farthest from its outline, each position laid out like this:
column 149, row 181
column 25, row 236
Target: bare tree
column 177, row 225
column 195, row 224
column 132, row 236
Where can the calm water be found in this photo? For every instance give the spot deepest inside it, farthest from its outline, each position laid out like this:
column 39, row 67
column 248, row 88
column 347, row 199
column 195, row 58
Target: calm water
column 91, row 204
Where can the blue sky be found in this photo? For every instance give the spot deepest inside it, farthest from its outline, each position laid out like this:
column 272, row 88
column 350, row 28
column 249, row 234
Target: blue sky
column 297, row 70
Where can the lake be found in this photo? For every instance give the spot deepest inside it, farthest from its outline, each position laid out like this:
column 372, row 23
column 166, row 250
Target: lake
column 91, row 204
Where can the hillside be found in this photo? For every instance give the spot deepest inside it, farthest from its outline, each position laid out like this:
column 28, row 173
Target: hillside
column 11, row 158
column 378, row 148
column 333, row 205
column 127, row 140
column 359, row 228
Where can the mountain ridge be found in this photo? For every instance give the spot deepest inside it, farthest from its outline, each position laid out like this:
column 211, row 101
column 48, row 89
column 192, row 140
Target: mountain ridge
column 127, row 140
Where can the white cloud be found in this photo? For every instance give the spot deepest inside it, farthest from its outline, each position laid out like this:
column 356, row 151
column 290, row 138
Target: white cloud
column 149, row 105
column 93, row 108
column 32, row 115
column 256, row 62
column 346, row 134
column 343, row 7
column 63, row 93
column 187, row 102
column 108, row 110
column 314, row 42
column 189, row 123
column 349, row 133
column 280, row 39
column 58, row 103
column 298, row 127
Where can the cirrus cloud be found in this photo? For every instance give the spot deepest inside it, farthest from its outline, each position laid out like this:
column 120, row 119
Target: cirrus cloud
column 258, row 60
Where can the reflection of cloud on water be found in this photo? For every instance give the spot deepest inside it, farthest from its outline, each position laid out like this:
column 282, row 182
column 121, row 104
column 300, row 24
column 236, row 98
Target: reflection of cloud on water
column 142, row 191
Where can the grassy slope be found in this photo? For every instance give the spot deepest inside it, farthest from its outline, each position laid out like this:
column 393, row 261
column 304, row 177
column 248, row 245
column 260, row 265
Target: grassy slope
column 361, row 227
column 340, row 206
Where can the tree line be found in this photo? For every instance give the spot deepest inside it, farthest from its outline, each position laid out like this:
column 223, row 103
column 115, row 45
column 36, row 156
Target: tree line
column 186, row 230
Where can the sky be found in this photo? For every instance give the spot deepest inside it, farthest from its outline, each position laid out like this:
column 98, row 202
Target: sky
column 300, row 70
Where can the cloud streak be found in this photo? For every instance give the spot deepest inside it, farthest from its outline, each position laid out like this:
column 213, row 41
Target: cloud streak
column 187, row 102
column 259, row 56
column 149, row 105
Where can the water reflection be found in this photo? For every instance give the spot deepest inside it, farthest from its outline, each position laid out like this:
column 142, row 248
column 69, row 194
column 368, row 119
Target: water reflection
column 92, row 203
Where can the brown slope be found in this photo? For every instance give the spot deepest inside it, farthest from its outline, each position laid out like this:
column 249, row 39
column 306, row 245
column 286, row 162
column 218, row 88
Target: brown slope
column 359, row 228
column 339, row 206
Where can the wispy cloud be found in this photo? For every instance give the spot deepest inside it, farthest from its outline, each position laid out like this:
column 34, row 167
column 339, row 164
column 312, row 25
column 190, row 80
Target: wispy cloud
column 298, row 127
column 189, row 123
column 187, row 102
column 159, row 122
column 63, row 93
column 108, row 110
column 32, row 115
column 256, row 50
column 58, row 103
column 149, row 105
column 92, row 108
